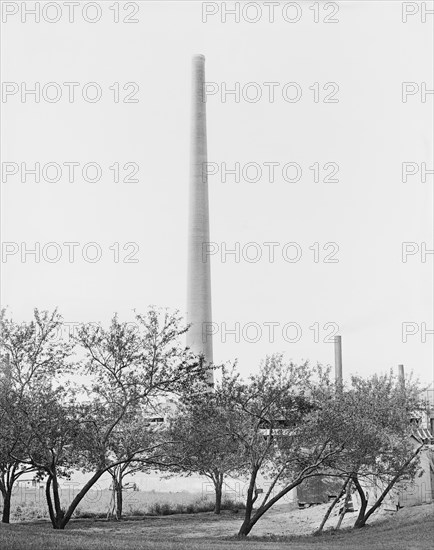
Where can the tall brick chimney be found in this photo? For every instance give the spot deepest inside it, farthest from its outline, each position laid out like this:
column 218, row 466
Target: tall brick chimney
column 199, row 269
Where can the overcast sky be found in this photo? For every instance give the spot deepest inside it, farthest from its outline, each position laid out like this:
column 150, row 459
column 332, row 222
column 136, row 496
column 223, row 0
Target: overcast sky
column 368, row 213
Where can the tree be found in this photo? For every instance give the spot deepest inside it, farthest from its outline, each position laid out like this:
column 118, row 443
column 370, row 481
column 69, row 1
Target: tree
column 372, row 423
column 58, row 425
column 30, row 354
column 128, row 368
column 344, row 490
column 199, row 442
column 382, row 451
column 11, row 436
column 276, row 418
column 135, row 430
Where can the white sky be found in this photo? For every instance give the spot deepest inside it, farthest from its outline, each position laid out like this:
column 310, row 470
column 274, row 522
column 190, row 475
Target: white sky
column 369, row 213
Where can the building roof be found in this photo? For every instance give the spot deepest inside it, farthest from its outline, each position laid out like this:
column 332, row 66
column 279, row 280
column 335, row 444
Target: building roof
column 423, row 434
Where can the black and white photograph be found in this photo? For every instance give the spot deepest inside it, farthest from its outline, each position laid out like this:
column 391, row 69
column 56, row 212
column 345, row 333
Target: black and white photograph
column 217, row 309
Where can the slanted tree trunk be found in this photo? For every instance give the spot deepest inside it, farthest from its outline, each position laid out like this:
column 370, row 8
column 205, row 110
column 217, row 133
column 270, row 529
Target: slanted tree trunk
column 361, row 520
column 60, row 517
column 251, row 519
column 363, row 502
column 331, row 507
column 76, row 501
column 252, row 495
column 50, row 502
column 248, row 525
column 55, row 510
column 345, row 506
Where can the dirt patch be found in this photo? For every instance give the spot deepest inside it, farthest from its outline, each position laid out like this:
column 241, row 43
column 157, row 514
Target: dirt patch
column 285, row 521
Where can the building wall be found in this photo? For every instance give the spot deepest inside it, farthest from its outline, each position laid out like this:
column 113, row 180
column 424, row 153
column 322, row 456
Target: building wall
column 421, row 491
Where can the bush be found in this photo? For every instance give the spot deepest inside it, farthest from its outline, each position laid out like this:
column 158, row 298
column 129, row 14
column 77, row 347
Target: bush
column 199, row 506
column 163, row 509
column 89, row 515
column 229, row 504
column 135, row 511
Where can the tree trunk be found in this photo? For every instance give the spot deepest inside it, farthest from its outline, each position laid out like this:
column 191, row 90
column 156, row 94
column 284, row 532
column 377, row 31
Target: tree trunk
column 363, row 504
column 247, row 524
column 218, row 485
column 56, row 497
column 7, row 505
column 361, row 521
column 119, row 499
column 330, row 508
column 55, row 511
column 50, row 503
column 76, row 501
column 8, row 477
column 7, row 480
column 363, row 515
column 345, row 506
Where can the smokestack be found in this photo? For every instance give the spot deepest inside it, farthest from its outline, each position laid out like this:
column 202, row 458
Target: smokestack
column 338, row 360
column 199, row 270
column 401, row 375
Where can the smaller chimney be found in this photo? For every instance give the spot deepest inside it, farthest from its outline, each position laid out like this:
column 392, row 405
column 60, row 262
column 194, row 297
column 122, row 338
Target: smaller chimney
column 401, row 375
column 338, row 360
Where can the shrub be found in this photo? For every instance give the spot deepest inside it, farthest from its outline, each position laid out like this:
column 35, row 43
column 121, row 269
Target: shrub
column 135, row 511
column 199, row 506
column 234, row 505
column 166, row 508
column 89, row 515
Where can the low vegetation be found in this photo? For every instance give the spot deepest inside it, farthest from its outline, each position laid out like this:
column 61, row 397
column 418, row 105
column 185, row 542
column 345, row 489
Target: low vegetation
column 199, row 506
column 287, row 423
column 137, row 504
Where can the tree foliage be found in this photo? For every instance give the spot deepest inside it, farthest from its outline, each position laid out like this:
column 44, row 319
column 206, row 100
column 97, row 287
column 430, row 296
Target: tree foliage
column 285, row 424
column 31, row 354
column 374, row 423
column 276, row 416
column 198, row 440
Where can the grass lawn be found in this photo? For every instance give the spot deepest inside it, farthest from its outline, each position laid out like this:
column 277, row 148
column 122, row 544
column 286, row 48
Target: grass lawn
column 204, row 531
